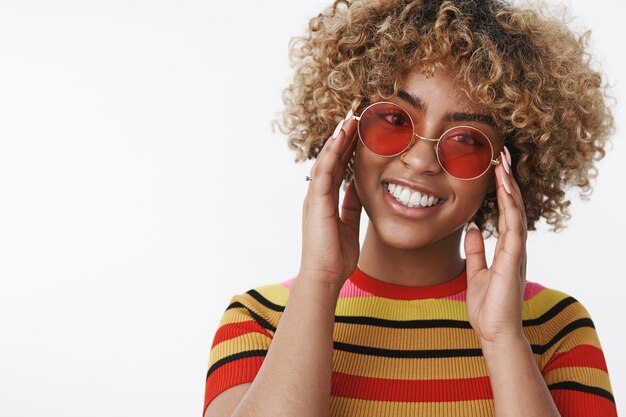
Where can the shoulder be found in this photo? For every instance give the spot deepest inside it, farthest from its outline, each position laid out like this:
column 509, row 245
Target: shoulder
column 263, row 304
column 556, row 322
column 268, row 296
column 546, row 303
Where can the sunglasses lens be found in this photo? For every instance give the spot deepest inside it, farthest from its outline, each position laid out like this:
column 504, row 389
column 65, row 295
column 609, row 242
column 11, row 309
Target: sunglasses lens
column 385, row 129
column 465, row 152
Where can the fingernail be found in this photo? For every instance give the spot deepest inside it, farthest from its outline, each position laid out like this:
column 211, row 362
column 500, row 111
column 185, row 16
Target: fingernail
column 508, row 155
column 505, row 164
column 338, row 129
column 349, row 115
column 506, row 186
column 472, row 226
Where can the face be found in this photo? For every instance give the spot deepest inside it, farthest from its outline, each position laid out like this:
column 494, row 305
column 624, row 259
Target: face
column 435, row 105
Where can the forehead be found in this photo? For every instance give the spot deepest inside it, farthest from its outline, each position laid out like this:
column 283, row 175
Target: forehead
column 438, row 92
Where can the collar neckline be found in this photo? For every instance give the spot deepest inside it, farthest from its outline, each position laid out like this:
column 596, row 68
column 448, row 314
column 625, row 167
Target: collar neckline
column 404, row 292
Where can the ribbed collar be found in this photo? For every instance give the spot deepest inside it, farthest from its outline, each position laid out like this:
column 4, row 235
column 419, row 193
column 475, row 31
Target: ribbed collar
column 403, row 292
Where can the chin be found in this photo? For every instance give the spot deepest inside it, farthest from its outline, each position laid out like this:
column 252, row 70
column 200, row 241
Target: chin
column 404, row 237
column 411, row 236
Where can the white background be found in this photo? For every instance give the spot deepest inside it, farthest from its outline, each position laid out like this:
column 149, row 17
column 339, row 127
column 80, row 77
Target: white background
column 141, row 187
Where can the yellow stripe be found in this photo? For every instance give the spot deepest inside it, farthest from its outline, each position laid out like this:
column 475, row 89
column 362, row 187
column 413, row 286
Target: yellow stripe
column 406, row 339
column 248, row 341
column 235, row 315
column 584, row 375
column 343, row 407
column 276, row 293
column 402, row 368
column 543, row 333
column 389, row 309
column 545, row 300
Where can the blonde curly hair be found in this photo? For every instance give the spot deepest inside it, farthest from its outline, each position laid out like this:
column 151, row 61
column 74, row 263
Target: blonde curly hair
column 530, row 72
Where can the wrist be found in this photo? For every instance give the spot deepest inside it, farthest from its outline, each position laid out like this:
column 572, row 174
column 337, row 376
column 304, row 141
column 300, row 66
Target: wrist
column 320, row 283
column 504, row 343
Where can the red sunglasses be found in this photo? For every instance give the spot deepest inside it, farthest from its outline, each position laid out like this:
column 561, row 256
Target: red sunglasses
column 387, row 129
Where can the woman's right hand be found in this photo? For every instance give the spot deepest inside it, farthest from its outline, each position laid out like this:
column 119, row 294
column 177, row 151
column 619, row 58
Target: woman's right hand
column 330, row 242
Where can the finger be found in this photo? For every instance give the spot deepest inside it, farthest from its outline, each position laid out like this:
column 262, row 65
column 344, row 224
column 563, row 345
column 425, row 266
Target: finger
column 511, row 240
column 475, row 260
column 351, row 208
column 516, row 191
column 323, row 169
column 501, row 194
column 350, row 143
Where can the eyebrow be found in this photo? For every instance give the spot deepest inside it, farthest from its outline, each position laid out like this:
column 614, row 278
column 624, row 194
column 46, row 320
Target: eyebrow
column 419, row 105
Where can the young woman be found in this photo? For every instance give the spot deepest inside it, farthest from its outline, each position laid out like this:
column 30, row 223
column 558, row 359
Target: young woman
column 455, row 115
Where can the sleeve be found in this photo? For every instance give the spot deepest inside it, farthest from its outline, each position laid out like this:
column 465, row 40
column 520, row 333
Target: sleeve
column 239, row 347
column 576, row 371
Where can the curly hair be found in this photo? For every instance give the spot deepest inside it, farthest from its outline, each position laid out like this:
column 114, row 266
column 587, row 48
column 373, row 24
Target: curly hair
column 531, row 73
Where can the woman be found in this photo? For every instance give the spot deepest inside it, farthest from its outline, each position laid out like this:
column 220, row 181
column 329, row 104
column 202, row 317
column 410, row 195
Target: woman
column 455, row 115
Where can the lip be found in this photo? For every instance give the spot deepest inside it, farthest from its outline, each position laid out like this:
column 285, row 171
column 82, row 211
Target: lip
column 409, row 212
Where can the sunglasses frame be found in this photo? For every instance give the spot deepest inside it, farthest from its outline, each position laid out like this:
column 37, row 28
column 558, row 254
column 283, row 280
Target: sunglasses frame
column 436, row 145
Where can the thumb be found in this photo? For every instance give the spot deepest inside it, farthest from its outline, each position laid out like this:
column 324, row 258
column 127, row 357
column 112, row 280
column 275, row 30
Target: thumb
column 475, row 260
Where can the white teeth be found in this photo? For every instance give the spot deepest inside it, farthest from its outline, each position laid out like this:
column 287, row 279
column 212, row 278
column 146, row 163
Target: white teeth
column 415, row 199
column 411, row 198
column 405, row 196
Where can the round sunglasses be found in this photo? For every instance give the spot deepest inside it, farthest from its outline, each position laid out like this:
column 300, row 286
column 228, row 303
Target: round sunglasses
column 464, row 152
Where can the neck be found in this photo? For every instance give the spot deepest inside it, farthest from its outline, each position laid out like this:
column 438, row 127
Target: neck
column 432, row 264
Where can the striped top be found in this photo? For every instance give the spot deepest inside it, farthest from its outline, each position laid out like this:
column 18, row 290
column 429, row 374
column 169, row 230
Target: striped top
column 407, row 351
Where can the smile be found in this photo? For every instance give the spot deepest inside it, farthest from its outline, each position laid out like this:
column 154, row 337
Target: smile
column 411, row 198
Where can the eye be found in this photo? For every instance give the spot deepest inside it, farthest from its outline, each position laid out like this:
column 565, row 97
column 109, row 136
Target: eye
column 467, row 139
column 395, row 118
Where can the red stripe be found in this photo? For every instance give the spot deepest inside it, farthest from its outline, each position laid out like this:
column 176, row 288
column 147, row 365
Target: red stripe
column 582, row 355
column 229, row 375
column 402, row 292
column 232, row 330
column 380, row 389
column 581, row 404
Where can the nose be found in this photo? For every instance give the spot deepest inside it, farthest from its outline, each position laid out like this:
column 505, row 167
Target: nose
column 421, row 157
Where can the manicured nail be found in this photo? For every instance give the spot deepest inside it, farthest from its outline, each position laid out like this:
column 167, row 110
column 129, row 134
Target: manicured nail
column 505, row 164
column 508, row 155
column 338, row 129
column 506, row 186
column 472, row 226
column 349, row 115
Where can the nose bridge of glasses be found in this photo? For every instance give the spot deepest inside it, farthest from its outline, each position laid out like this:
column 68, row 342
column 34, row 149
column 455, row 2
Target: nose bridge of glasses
column 435, row 142
column 426, row 141
column 425, row 138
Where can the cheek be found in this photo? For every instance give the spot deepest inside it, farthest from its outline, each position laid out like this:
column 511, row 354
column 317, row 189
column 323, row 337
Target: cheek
column 474, row 194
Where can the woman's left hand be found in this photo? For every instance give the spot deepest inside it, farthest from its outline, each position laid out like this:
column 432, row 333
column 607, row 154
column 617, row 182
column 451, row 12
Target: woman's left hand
column 495, row 295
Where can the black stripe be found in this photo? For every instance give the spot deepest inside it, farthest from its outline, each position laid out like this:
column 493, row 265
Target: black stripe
column 234, row 357
column 264, row 323
column 267, row 303
column 403, row 324
column 577, row 386
column 555, row 310
column 418, row 324
column 394, row 353
column 448, row 353
column 576, row 324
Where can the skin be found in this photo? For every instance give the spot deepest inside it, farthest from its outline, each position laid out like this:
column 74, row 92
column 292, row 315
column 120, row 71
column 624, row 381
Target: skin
column 295, row 378
column 406, row 251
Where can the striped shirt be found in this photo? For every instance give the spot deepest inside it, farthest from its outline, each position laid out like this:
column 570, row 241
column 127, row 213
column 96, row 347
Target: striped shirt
column 408, row 351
